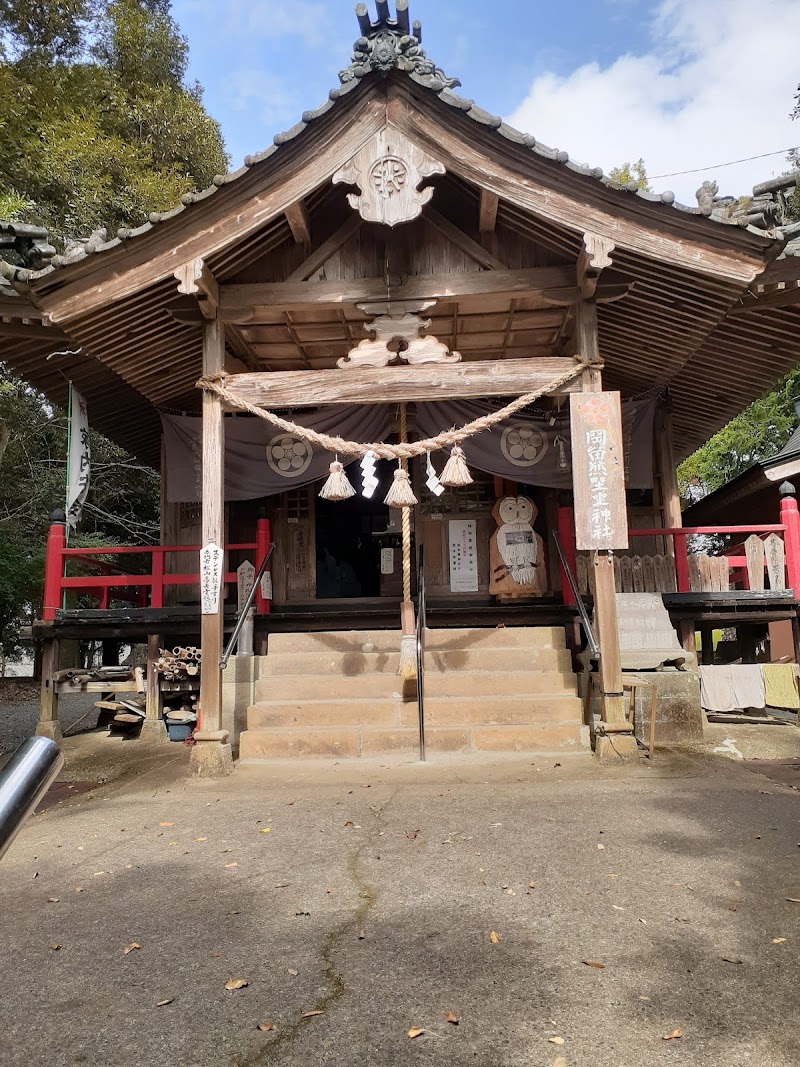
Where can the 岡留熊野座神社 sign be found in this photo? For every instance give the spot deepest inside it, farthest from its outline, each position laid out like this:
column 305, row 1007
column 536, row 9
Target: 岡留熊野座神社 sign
column 598, row 471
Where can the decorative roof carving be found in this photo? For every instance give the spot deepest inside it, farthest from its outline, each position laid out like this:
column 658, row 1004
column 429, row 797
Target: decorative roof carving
column 389, row 43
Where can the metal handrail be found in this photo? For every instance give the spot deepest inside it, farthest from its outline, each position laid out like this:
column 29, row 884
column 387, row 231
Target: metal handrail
column 226, row 655
column 421, row 625
column 23, row 782
column 587, row 626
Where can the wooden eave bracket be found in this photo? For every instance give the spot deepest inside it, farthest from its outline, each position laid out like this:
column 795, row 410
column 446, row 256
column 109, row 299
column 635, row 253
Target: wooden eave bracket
column 195, row 279
column 299, row 223
column 487, row 217
column 595, row 257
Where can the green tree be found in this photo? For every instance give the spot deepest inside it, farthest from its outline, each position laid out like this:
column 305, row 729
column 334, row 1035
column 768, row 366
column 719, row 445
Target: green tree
column 626, row 173
column 97, row 124
column 760, row 431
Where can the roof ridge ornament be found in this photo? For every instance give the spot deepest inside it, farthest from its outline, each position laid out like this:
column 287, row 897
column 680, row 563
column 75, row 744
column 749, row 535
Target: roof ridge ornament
column 390, row 43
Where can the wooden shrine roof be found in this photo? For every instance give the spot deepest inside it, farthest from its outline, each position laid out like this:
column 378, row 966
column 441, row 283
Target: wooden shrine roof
column 137, row 349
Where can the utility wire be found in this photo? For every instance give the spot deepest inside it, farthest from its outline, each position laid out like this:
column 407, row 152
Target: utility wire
column 732, row 163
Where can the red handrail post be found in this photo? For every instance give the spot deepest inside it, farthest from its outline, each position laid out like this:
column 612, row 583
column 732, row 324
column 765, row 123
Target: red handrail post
column 566, row 535
column 681, row 563
column 157, row 588
column 263, row 538
column 54, row 564
column 790, row 518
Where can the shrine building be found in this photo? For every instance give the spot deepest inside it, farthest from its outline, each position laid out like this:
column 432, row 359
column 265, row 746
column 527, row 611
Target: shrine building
column 447, row 373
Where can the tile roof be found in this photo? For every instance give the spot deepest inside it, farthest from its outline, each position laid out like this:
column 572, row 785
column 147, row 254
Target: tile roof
column 386, row 46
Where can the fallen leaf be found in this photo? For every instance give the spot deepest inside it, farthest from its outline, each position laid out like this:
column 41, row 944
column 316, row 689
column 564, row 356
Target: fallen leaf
column 731, row 959
column 55, row 948
column 494, row 937
column 132, row 947
column 644, row 998
column 593, row 963
column 673, row 1035
column 601, row 847
column 236, row 983
column 452, row 1018
column 616, row 907
column 229, row 865
column 293, row 973
column 35, row 874
column 266, row 1026
column 54, row 900
column 415, row 1031
column 349, row 823
column 165, row 824
column 531, row 885
column 793, row 900
column 556, row 1040
column 202, row 839
column 163, row 1003
column 778, row 940
column 361, row 935
column 78, row 888
column 559, row 1061
column 411, row 834
column 738, row 884
column 309, row 1014
column 329, row 889
column 99, row 874
column 266, row 830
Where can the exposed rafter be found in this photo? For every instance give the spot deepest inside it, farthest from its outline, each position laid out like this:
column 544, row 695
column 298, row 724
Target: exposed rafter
column 299, row 222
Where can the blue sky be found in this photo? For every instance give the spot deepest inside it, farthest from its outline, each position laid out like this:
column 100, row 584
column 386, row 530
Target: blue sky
column 682, row 83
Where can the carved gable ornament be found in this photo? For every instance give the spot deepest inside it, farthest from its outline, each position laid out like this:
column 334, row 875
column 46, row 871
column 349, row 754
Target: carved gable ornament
column 389, row 171
column 398, row 324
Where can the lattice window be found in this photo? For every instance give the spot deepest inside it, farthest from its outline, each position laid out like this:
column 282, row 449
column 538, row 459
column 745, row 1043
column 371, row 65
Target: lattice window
column 298, row 503
column 477, row 497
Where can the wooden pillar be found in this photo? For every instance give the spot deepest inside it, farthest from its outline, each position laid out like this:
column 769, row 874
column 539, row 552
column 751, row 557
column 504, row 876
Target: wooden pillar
column 667, row 470
column 48, row 725
column 616, row 742
column 212, row 754
column 153, row 728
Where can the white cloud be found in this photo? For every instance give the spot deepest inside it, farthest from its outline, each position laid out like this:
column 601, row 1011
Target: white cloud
column 264, row 96
column 309, row 21
column 716, row 84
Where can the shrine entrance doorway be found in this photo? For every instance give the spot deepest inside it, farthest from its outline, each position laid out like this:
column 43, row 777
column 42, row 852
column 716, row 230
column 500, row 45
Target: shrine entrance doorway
column 359, row 546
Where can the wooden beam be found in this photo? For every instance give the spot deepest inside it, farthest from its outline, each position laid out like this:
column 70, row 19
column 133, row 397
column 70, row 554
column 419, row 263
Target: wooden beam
column 213, row 524
column 328, row 248
column 19, row 308
column 668, row 473
column 242, row 303
column 521, row 182
column 787, row 296
column 26, row 332
column 235, row 212
column 588, row 345
column 195, row 279
column 487, row 219
column 388, row 385
column 299, row 222
column 594, row 258
column 463, row 241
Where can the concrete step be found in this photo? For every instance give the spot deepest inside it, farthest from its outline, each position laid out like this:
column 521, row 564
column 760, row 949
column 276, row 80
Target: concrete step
column 336, row 641
column 498, row 659
column 306, row 743
column 526, row 637
column 490, row 710
column 333, row 686
column 325, row 713
column 537, row 737
column 348, row 664
column 512, row 684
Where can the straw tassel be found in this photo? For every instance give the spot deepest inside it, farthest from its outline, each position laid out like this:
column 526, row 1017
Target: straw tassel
column 401, row 495
column 456, row 471
column 338, row 486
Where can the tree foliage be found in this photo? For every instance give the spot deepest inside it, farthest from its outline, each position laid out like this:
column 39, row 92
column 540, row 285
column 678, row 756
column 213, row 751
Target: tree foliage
column 122, row 507
column 626, row 173
column 758, row 433
column 97, row 124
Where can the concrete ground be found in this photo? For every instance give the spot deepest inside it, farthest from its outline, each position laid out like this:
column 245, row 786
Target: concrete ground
column 369, row 892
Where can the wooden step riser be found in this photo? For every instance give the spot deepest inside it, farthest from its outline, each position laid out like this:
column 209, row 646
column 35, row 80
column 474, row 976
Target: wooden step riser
column 352, row 743
column 358, row 666
column 348, row 641
column 450, row 712
column 515, row 684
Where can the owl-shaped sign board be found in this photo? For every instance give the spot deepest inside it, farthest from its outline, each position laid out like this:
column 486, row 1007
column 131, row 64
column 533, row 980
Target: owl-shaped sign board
column 516, row 552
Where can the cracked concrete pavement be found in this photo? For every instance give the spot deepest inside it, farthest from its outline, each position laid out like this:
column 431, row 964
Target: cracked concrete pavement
column 368, row 892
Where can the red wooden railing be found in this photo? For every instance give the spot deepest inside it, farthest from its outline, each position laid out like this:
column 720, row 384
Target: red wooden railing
column 789, row 528
column 108, row 578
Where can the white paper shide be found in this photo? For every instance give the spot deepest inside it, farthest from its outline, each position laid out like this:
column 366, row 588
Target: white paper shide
column 80, row 458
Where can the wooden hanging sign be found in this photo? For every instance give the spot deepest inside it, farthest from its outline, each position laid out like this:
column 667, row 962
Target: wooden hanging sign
column 598, row 471
column 212, row 561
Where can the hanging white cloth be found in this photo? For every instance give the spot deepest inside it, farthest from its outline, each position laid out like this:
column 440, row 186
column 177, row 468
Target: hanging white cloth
column 749, row 690
column 717, row 688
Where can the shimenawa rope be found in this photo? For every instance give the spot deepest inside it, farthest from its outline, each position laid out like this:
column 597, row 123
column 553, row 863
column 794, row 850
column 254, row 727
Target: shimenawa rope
column 405, row 450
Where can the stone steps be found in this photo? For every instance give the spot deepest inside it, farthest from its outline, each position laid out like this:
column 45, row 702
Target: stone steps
column 324, row 695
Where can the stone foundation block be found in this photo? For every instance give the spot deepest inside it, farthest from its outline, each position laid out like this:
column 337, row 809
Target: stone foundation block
column 211, row 759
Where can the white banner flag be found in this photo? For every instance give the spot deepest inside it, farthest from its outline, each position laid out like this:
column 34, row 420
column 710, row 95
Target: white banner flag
column 80, row 459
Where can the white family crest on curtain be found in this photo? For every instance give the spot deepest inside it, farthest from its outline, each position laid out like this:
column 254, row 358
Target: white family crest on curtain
column 80, row 458
column 289, row 455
